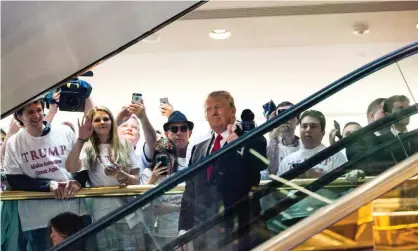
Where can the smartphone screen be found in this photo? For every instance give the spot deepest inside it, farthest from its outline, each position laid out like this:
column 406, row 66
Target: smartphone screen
column 163, row 159
column 137, row 98
column 164, row 162
column 164, row 101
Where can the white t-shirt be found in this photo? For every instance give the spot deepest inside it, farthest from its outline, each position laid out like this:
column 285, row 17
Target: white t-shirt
column 42, row 157
column 103, row 206
column 300, row 156
column 140, row 154
column 284, row 151
column 268, row 201
column 167, row 223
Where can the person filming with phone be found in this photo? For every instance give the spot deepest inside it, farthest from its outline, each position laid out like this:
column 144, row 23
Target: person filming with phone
column 283, row 140
column 109, row 161
column 348, row 129
column 128, row 122
column 163, row 220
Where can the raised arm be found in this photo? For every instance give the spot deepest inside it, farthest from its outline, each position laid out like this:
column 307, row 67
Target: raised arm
column 85, row 130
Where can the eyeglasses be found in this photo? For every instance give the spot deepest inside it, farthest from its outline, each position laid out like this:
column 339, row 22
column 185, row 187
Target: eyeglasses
column 175, row 129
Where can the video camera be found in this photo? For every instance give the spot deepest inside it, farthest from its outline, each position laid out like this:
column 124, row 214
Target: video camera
column 72, row 95
column 247, row 120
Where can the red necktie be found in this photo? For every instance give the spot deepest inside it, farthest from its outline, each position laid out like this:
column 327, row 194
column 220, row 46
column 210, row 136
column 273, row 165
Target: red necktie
column 216, row 147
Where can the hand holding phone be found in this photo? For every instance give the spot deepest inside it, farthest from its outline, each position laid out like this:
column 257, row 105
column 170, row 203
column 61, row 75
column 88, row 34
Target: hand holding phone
column 163, row 160
column 110, row 170
column 338, row 128
column 269, row 108
column 137, row 98
column 164, row 101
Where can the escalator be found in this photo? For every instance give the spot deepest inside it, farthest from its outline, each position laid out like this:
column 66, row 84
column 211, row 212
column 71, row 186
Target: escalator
column 224, row 230
column 291, row 204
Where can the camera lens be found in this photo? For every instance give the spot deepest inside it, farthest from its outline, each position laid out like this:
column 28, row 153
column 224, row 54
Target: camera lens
column 73, row 102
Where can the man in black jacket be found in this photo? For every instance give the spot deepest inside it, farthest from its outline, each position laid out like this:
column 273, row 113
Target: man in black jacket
column 224, row 182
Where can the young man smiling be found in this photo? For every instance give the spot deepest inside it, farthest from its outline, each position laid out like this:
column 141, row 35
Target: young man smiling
column 35, row 161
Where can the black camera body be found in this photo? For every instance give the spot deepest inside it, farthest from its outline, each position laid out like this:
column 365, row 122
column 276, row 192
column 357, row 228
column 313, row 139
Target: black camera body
column 247, row 120
column 73, row 96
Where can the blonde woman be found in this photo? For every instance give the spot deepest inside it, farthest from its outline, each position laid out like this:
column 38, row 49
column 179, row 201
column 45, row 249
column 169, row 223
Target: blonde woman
column 110, row 161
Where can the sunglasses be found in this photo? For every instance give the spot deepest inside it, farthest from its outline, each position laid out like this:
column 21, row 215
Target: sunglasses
column 175, row 129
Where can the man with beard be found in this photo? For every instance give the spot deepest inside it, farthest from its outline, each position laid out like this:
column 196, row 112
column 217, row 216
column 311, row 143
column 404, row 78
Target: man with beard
column 179, row 130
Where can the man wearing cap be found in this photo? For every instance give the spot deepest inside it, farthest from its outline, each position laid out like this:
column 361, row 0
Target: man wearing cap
column 179, row 130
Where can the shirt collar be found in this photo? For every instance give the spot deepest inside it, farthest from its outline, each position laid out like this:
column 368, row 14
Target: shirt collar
column 224, row 135
column 396, row 132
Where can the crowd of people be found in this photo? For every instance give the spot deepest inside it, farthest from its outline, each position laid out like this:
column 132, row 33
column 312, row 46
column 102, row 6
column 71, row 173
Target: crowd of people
column 105, row 151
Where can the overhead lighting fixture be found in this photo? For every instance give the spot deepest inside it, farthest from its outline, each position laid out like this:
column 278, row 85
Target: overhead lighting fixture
column 361, row 29
column 416, row 26
column 219, row 34
column 153, row 38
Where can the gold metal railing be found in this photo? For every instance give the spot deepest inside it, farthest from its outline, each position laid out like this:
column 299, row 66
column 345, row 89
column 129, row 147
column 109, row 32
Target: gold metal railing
column 140, row 189
column 379, row 187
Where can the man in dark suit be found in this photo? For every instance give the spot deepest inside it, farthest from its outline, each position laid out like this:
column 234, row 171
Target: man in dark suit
column 385, row 158
column 224, row 182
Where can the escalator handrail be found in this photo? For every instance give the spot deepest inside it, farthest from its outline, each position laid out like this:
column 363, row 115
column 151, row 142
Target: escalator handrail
column 320, row 183
column 305, row 104
column 341, row 208
column 353, row 138
column 290, row 175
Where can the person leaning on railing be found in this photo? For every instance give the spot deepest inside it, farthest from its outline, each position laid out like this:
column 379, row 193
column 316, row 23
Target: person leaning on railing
column 110, row 161
column 34, row 161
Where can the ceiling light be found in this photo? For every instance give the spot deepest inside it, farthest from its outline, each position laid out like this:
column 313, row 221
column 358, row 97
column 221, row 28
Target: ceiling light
column 153, row 38
column 219, row 34
column 416, row 26
column 361, row 29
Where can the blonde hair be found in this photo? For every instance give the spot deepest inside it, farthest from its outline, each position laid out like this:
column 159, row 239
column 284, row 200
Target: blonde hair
column 119, row 148
column 224, row 95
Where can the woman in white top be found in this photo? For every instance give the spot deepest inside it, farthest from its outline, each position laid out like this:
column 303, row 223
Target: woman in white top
column 163, row 220
column 110, row 161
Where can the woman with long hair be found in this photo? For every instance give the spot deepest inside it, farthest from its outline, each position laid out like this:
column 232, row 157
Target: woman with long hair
column 163, row 222
column 110, row 161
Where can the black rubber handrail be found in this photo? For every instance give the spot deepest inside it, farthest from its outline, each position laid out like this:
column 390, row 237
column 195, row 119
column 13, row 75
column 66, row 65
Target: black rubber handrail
column 183, row 175
column 293, row 173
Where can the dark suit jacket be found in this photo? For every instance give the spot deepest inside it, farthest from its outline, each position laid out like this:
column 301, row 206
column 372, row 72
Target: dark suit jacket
column 232, row 178
column 404, row 146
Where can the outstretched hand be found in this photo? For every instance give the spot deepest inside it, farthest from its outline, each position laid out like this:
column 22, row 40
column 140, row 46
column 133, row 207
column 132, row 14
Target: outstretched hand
column 85, row 128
